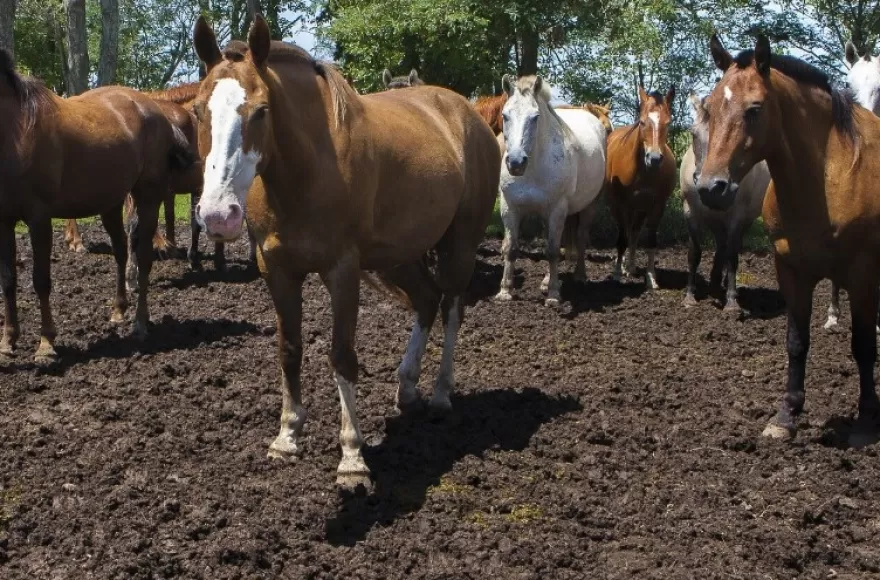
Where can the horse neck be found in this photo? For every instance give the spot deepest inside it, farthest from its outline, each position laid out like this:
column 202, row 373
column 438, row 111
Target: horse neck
column 549, row 126
column 798, row 157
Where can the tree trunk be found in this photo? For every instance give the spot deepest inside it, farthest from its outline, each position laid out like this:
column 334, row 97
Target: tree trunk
column 528, row 62
column 109, row 42
column 77, row 47
column 7, row 28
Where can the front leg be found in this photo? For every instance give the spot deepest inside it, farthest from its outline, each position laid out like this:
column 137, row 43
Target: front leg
column 142, row 243
column 509, row 249
column 41, row 242
column 695, row 254
column 8, row 283
column 731, row 265
column 195, row 260
column 863, row 298
column 797, row 290
column 286, row 291
column 555, row 224
column 343, row 283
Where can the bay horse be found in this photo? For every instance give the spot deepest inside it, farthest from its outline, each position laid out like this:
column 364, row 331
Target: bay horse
column 49, row 160
column 403, row 81
column 822, row 210
column 554, row 166
column 641, row 175
column 344, row 183
column 728, row 225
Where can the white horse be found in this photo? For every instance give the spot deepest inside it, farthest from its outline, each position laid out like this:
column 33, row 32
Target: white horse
column 554, row 166
column 728, row 225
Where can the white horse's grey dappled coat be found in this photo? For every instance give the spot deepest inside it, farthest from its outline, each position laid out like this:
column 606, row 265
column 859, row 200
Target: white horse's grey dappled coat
column 554, row 166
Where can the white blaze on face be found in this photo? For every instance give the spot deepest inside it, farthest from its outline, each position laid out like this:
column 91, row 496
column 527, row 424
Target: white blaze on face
column 864, row 80
column 655, row 119
column 728, row 94
column 229, row 170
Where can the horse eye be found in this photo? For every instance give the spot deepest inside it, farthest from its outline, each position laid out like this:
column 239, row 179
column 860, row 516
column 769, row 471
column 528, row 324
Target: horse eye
column 752, row 113
column 259, row 112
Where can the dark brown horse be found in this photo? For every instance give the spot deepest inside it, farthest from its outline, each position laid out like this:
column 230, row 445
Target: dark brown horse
column 640, row 177
column 401, row 82
column 345, row 183
column 822, row 209
column 49, row 160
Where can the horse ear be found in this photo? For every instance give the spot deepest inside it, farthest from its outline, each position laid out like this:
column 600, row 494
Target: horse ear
column 507, row 85
column 414, row 77
column 259, row 41
column 697, row 106
column 205, row 43
column 386, row 77
column 643, row 96
column 762, row 55
column 852, row 55
column 722, row 58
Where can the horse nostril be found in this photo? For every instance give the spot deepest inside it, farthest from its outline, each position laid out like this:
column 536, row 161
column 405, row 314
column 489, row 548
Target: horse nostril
column 719, row 185
column 234, row 211
column 696, row 177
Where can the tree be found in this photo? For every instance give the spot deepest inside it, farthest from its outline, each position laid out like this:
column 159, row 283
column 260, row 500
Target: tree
column 7, row 29
column 109, row 42
column 77, row 47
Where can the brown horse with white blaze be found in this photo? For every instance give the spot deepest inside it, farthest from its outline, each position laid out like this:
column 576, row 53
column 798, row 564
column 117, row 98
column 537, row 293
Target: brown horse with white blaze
column 640, row 177
column 822, row 209
column 49, row 160
column 345, row 183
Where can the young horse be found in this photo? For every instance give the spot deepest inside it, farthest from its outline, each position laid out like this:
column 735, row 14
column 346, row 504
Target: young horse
column 822, row 210
column 641, row 176
column 349, row 183
column 50, row 158
column 728, row 225
column 554, row 165
column 401, row 82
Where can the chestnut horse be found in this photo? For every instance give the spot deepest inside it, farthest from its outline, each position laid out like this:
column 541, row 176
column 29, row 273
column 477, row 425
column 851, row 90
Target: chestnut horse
column 822, row 209
column 641, row 175
column 346, row 183
column 49, row 161
column 401, row 82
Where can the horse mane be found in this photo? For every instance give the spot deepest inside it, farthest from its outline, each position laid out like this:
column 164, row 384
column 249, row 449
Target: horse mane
column 179, row 94
column 796, row 69
column 490, row 109
column 284, row 52
column 33, row 96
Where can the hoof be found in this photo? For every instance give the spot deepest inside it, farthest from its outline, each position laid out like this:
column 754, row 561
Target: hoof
column 732, row 308
column 77, row 247
column 285, row 449
column 46, row 356
column 440, row 404
column 689, row 301
column 503, row 296
column 651, row 283
column 409, row 400
column 776, row 431
column 117, row 317
column 352, row 473
column 552, row 302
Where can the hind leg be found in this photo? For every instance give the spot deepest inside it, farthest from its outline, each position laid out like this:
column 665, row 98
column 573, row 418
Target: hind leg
column 452, row 310
column 635, row 231
column 555, row 223
column 141, row 241
column 622, row 242
column 163, row 244
column 864, row 299
column 695, row 254
column 170, row 233
column 72, row 238
column 731, row 265
column 582, row 240
column 41, row 241
column 112, row 221
column 252, row 247
column 195, row 260
column 509, row 249
column 8, row 283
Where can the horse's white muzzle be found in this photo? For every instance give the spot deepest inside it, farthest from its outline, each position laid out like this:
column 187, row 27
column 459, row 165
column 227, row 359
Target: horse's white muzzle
column 222, row 219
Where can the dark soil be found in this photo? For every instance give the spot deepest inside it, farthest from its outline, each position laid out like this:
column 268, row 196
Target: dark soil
column 619, row 438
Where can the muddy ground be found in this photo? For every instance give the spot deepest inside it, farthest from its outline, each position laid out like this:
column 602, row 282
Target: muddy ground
column 619, row 438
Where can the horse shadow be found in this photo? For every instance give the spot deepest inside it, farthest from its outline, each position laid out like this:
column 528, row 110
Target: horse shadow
column 237, row 272
column 166, row 335
column 419, row 448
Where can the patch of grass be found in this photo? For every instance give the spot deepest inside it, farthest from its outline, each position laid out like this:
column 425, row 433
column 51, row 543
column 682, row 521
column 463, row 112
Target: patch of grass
column 448, row 486
column 181, row 215
column 525, row 513
column 478, row 518
column 9, row 501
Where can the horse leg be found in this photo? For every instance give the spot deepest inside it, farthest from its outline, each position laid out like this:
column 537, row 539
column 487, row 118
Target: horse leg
column 195, row 260
column 41, row 242
column 170, row 234
column 418, row 284
column 715, row 280
column 252, row 251
column 731, row 265
column 622, row 228
column 72, row 238
column 8, row 282
column 343, row 283
column 633, row 235
column 695, row 254
column 798, row 294
column 147, row 221
column 653, row 223
column 833, row 307
column 555, row 223
column 582, row 235
column 509, row 249
column 112, row 221
column 864, row 299
column 286, row 291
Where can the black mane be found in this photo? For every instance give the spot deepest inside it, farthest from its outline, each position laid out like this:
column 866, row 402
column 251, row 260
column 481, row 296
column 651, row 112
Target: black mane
column 33, row 96
column 803, row 72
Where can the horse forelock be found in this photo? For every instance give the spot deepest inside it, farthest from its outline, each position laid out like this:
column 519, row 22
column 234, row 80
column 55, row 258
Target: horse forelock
column 526, row 86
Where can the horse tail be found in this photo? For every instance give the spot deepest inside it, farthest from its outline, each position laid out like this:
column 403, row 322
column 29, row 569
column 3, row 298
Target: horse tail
column 181, row 155
column 382, row 285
